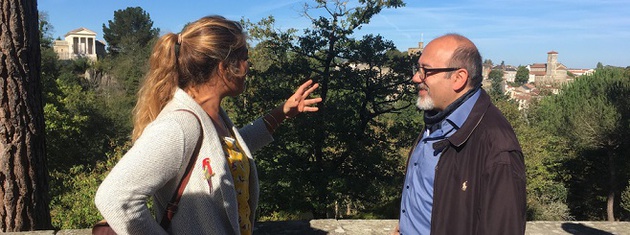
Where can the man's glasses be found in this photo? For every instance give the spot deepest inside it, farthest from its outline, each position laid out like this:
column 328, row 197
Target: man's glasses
column 424, row 71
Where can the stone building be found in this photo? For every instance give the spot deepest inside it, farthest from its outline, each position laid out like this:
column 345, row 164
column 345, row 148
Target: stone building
column 509, row 72
column 523, row 95
column 580, row 72
column 552, row 73
column 79, row 43
column 416, row 50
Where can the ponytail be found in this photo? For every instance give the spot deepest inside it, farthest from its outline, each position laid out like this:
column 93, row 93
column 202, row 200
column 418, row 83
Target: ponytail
column 159, row 84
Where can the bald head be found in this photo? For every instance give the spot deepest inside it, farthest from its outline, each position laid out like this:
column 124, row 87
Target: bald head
column 456, row 38
column 462, row 53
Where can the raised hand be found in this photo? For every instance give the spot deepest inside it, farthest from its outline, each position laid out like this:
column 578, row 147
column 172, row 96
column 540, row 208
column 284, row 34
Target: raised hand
column 299, row 101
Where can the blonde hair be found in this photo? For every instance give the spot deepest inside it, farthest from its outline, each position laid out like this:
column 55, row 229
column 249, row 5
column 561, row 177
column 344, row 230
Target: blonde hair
column 188, row 59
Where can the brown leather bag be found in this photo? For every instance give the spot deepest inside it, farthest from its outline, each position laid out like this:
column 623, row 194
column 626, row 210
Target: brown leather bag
column 103, row 228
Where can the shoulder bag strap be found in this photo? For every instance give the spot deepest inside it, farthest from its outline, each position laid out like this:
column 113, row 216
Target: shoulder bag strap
column 171, row 209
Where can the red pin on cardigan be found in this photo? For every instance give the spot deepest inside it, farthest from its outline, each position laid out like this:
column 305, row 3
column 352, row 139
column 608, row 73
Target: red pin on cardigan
column 207, row 169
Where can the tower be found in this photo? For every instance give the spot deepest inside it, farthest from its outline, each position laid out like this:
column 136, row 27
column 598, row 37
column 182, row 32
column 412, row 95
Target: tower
column 552, row 64
column 417, row 50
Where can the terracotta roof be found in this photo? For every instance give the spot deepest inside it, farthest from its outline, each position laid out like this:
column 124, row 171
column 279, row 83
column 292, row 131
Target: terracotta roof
column 538, row 66
column 552, row 52
column 519, row 96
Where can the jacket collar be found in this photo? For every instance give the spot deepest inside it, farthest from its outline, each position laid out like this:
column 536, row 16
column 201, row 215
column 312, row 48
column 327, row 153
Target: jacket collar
column 474, row 118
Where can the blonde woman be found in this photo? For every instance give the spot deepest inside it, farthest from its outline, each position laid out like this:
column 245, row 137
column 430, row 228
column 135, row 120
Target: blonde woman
column 178, row 106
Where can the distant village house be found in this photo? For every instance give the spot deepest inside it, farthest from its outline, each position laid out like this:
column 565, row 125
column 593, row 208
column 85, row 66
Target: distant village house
column 580, row 72
column 79, row 43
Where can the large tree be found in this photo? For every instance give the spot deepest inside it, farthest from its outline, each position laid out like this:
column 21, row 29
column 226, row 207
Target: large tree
column 23, row 174
column 593, row 114
column 45, row 31
column 130, row 37
column 131, row 30
column 522, row 75
column 496, row 78
column 488, row 63
column 347, row 154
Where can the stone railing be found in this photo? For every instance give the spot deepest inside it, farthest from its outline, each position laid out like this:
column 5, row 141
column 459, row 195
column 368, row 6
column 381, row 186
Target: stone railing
column 369, row 227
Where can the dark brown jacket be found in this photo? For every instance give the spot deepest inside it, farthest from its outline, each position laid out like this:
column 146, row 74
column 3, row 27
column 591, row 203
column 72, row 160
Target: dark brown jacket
column 480, row 177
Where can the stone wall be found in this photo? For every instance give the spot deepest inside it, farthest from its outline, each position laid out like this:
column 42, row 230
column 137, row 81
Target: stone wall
column 374, row 227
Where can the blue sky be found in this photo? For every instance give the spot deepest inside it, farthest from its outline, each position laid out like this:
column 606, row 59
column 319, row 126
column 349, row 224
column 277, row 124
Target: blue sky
column 518, row 32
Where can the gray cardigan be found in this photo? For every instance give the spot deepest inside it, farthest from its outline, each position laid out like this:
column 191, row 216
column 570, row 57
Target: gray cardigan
column 156, row 163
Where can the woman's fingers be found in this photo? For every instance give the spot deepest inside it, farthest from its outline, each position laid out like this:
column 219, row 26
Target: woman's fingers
column 299, row 101
column 308, row 102
column 310, row 90
column 303, row 87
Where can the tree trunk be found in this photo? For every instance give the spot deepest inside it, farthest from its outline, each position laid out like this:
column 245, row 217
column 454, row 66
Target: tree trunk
column 610, row 203
column 23, row 174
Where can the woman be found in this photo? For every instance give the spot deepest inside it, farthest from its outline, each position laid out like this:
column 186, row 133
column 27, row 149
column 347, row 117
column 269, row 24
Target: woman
column 178, row 106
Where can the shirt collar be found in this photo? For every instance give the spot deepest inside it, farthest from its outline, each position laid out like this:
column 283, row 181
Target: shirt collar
column 459, row 115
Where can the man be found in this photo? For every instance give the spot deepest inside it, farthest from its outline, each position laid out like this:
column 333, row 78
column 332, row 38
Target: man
column 466, row 173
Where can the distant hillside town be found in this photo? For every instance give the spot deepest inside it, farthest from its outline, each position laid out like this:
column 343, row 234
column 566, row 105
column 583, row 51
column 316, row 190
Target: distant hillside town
column 549, row 76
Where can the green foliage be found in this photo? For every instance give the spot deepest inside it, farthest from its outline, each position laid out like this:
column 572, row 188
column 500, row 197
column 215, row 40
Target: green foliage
column 72, row 205
column 51, row 68
column 350, row 156
column 590, row 108
column 128, row 69
column 600, row 65
column 282, row 216
column 496, row 77
column 625, row 199
column 522, row 75
column 87, row 127
column 131, row 30
column 45, row 31
column 80, row 132
column 592, row 117
column 488, row 63
column 357, row 137
column 546, row 194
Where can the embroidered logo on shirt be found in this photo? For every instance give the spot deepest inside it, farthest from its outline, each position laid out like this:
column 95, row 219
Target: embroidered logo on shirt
column 464, row 186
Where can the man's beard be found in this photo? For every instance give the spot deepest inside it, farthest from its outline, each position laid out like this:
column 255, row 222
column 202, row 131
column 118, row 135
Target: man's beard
column 425, row 103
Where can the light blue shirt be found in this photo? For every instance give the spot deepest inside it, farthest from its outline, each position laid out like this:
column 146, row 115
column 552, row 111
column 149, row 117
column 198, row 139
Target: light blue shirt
column 417, row 195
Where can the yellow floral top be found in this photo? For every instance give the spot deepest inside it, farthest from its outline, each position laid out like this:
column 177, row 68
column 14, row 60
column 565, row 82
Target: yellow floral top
column 239, row 166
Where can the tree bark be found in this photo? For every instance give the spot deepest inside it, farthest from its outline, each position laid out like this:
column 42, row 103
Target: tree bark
column 610, row 202
column 23, row 173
